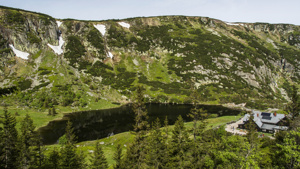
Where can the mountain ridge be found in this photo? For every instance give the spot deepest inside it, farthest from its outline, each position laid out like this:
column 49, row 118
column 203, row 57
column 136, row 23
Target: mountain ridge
column 226, row 62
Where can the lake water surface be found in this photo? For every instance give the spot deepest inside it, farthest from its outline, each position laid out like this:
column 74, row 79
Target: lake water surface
column 96, row 124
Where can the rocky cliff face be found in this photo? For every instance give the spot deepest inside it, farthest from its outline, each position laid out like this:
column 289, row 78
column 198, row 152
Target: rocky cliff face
column 227, row 62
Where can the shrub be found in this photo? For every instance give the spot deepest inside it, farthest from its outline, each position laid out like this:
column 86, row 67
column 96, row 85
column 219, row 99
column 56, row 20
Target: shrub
column 32, row 38
column 75, row 50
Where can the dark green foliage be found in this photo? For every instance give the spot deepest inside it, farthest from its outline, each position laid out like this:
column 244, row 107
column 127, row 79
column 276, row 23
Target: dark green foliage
column 117, row 37
column 179, row 145
column 44, row 71
column 70, row 159
column 122, row 79
column 3, row 42
column 98, row 160
column 9, row 142
column 200, row 115
column 293, row 108
column 95, row 38
column 103, row 70
column 38, row 159
column 7, row 90
column 139, row 108
column 157, row 148
column 6, row 50
column 66, row 94
column 32, row 38
column 26, row 141
column 70, row 136
column 24, row 84
column 53, row 160
column 118, row 157
column 14, row 17
column 1, row 146
column 46, row 19
column 290, row 54
column 75, row 50
column 294, row 38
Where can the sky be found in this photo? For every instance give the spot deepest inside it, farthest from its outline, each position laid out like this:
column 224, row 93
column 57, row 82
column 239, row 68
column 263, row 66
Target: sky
column 270, row 11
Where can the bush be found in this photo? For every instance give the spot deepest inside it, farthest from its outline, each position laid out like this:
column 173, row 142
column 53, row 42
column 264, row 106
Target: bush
column 14, row 17
column 75, row 50
column 96, row 40
column 32, row 38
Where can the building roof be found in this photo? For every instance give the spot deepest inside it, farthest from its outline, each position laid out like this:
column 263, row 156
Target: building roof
column 281, row 127
column 268, row 126
column 267, row 121
column 272, row 118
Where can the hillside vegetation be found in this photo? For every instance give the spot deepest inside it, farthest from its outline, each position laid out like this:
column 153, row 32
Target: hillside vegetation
column 252, row 63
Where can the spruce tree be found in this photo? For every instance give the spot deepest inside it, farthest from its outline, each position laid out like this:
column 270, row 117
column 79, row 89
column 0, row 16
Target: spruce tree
column 53, row 161
column 198, row 115
column 293, row 107
column 69, row 157
column 157, row 155
column 179, row 144
column 38, row 158
column 136, row 153
column 251, row 156
column 10, row 141
column 139, row 108
column 166, row 125
column 26, row 141
column 1, row 145
column 98, row 159
column 118, row 157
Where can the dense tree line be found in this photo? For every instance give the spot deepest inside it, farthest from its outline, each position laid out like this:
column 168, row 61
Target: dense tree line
column 156, row 147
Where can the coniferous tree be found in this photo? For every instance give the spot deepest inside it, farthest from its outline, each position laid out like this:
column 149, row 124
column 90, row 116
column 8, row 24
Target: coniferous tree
column 199, row 124
column 69, row 157
column 118, row 157
column 293, row 108
column 139, row 108
column 166, row 125
column 98, row 160
column 10, row 141
column 136, row 152
column 179, row 144
column 1, row 145
column 156, row 151
column 38, row 158
column 251, row 156
column 53, row 161
column 26, row 141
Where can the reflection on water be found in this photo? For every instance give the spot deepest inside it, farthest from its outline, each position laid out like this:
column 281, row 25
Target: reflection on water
column 92, row 125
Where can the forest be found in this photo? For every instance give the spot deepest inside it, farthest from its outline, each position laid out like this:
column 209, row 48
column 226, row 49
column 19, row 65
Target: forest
column 156, row 145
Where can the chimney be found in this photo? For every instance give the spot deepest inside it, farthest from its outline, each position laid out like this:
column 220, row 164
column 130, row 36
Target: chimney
column 274, row 113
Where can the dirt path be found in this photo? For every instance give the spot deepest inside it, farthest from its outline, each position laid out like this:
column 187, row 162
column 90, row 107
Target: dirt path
column 233, row 128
